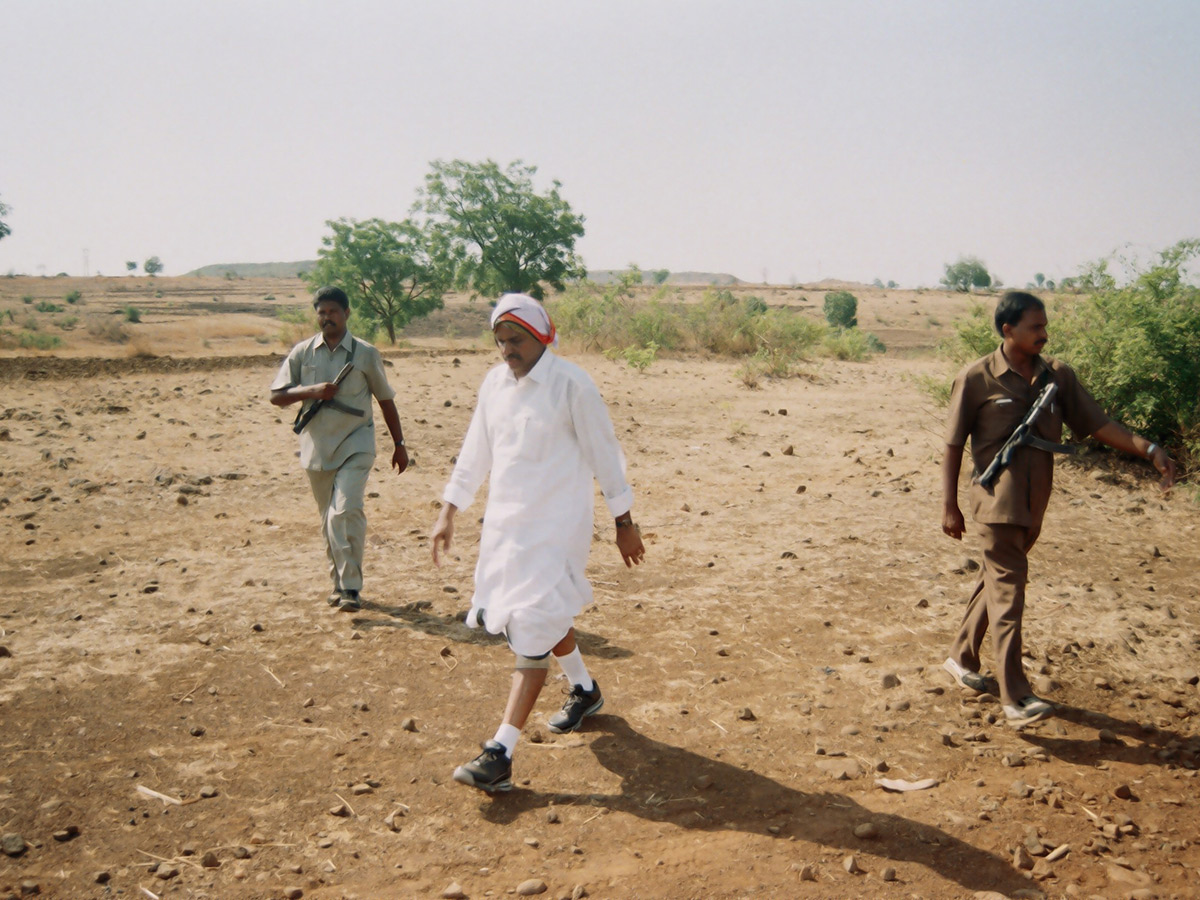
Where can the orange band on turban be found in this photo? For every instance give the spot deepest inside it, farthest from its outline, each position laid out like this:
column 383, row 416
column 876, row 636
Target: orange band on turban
column 546, row 339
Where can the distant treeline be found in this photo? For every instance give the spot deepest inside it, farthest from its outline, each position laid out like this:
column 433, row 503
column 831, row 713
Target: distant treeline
column 600, row 276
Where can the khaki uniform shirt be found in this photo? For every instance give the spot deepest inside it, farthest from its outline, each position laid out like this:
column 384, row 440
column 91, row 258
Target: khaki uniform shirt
column 987, row 404
column 334, row 435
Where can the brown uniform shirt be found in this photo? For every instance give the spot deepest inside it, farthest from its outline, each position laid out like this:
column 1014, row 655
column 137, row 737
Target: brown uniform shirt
column 987, row 404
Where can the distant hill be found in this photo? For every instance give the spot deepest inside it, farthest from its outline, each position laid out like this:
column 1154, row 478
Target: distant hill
column 256, row 270
column 292, row 269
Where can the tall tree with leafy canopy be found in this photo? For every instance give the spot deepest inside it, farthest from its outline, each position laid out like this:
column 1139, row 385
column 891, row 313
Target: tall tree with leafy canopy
column 152, row 266
column 393, row 272
column 967, row 273
column 503, row 234
column 5, row 231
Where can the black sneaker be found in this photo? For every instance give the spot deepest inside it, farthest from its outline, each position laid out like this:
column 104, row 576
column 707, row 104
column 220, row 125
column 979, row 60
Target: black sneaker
column 350, row 602
column 580, row 704
column 490, row 771
column 334, row 598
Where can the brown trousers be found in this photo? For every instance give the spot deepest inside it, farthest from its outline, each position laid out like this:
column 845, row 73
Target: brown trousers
column 998, row 603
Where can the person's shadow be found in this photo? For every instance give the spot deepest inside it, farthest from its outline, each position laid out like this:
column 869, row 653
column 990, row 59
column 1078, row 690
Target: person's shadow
column 1130, row 741
column 664, row 783
column 419, row 617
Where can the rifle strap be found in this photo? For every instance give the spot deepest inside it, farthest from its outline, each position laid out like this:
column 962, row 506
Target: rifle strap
column 333, row 403
column 1049, row 446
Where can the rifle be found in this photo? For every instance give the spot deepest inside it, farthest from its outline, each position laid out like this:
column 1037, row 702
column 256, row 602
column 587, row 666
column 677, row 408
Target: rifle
column 1023, row 436
column 304, row 417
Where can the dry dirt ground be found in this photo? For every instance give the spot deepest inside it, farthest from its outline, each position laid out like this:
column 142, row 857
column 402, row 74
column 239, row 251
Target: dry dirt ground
column 163, row 629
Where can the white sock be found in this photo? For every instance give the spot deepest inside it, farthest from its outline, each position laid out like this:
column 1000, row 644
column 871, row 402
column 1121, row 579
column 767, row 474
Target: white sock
column 575, row 670
column 508, row 735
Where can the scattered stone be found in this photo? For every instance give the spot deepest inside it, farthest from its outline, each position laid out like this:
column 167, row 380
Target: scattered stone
column 5, row 653
column 1058, row 852
column 531, row 887
column 888, row 874
column 29, row 887
column 532, row 842
column 241, row 852
column 746, row 714
column 1109, row 737
column 578, row 892
column 1020, row 790
column 1122, row 792
column 308, row 703
column 210, row 861
column 65, row 834
column 166, row 871
column 454, row 891
column 1042, row 870
column 103, row 877
column 1034, row 845
column 1022, row 859
column 293, row 893
column 703, row 783
column 362, row 788
column 970, row 565
column 196, row 731
column 12, row 844
column 890, row 680
column 789, row 450
column 553, row 818
column 208, row 792
column 409, row 724
column 840, row 769
column 866, row 831
column 850, row 864
column 341, row 810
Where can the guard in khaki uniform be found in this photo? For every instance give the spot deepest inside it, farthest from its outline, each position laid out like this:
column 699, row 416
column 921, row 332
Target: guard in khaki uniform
column 337, row 446
column 990, row 399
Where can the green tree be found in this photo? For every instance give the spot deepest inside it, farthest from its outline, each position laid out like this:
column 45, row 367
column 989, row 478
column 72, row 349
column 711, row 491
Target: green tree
column 5, row 231
column 501, row 233
column 130, row 265
column 969, row 272
column 152, row 266
column 841, row 309
column 660, row 276
column 393, row 272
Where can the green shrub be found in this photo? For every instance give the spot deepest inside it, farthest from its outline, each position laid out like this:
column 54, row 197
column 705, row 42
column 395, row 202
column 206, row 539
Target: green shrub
column 67, row 323
column 640, row 358
column 27, row 299
column 45, row 306
column 73, row 297
column 852, row 344
column 841, row 309
column 1136, row 347
column 132, row 314
column 34, row 340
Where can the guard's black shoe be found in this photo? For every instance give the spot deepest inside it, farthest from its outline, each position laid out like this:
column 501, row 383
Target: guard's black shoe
column 580, row 704
column 490, row 771
column 350, row 602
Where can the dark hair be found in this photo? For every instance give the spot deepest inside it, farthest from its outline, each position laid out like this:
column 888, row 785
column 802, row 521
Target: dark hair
column 1013, row 305
column 336, row 294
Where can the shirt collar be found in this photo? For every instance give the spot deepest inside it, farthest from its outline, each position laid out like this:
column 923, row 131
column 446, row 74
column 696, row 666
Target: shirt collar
column 344, row 342
column 999, row 363
column 540, row 371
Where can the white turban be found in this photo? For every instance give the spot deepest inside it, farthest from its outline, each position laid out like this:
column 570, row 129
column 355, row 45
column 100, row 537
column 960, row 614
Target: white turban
column 523, row 310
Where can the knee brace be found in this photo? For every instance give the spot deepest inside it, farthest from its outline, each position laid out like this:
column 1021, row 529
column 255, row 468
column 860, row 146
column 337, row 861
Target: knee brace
column 533, row 662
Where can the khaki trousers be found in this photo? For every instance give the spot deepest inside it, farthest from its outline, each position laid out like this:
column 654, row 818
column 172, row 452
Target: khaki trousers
column 998, row 603
column 339, row 496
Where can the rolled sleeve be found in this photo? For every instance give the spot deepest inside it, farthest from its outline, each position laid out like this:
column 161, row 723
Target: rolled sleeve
column 474, row 458
column 599, row 446
column 376, row 377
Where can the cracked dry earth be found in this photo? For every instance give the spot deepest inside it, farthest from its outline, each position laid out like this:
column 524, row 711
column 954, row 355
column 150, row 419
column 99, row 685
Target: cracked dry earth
column 182, row 716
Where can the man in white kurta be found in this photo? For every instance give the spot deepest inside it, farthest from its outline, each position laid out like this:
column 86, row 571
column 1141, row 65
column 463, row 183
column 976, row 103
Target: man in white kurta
column 541, row 432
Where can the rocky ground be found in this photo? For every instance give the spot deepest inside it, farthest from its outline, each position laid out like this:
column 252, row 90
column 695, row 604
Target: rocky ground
column 181, row 715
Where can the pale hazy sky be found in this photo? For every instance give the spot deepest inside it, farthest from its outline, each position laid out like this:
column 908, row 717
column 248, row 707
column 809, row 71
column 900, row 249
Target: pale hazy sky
column 791, row 139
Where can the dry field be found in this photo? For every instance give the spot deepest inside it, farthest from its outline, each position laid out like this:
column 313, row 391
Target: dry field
column 181, row 715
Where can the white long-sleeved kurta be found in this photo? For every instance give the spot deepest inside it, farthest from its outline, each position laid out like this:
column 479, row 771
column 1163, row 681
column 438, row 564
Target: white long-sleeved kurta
column 542, row 438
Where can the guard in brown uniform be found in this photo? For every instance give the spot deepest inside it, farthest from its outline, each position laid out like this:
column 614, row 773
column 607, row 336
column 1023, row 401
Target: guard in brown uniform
column 990, row 399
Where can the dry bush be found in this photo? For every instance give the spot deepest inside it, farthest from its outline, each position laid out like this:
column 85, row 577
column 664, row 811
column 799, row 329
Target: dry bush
column 139, row 348
column 107, row 328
